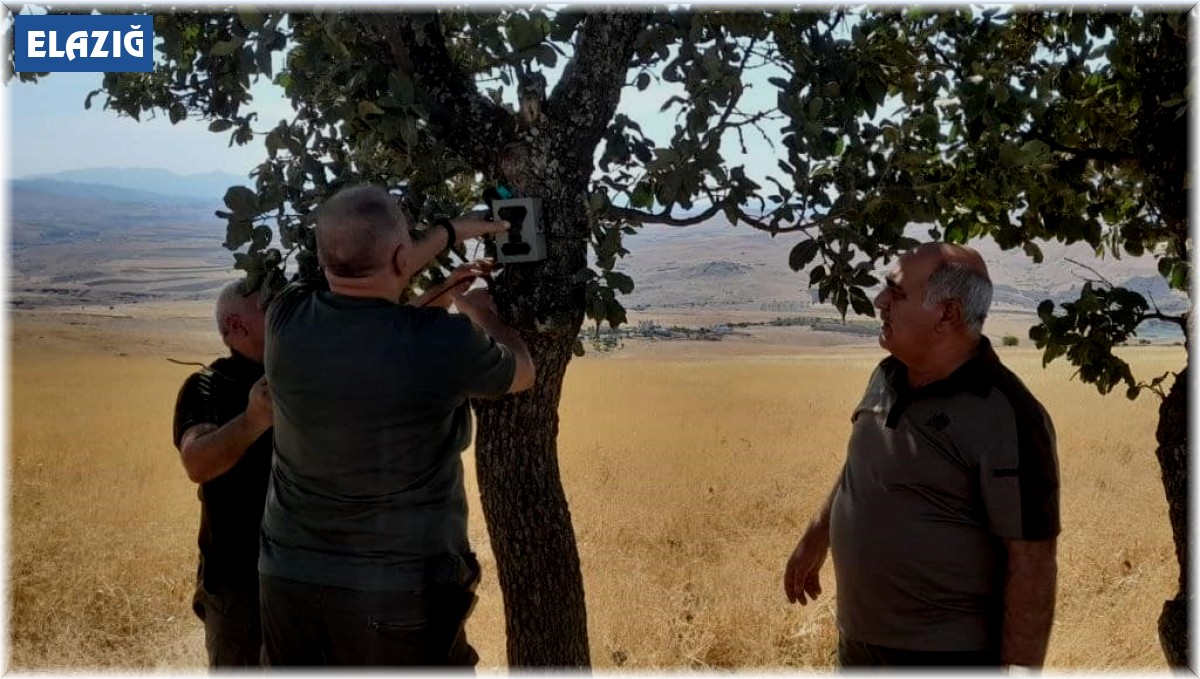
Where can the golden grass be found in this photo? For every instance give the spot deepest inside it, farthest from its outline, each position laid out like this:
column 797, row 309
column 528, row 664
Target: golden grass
column 689, row 482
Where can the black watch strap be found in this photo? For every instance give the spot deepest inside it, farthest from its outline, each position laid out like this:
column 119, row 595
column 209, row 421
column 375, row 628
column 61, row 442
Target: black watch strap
column 450, row 232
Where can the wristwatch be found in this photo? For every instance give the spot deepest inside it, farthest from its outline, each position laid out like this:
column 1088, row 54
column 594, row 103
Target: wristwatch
column 450, row 233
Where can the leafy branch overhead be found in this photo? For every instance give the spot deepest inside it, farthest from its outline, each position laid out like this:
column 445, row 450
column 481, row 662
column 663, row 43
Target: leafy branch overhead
column 1020, row 127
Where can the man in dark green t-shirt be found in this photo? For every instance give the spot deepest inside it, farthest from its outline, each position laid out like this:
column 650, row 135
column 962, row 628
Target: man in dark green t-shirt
column 943, row 522
column 364, row 557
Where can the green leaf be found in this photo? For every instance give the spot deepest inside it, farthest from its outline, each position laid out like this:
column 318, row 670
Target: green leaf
column 803, row 253
column 227, row 47
column 238, row 233
column 1179, row 276
column 1033, row 251
column 1000, row 92
column 408, row 132
column 401, row 86
column 242, row 201
column 1034, row 152
column 220, row 125
column 643, row 195
column 643, row 81
column 876, row 90
column 366, row 108
column 860, row 303
column 619, row 281
column 546, row 56
column 818, row 274
column 261, row 237
column 523, row 33
column 250, row 18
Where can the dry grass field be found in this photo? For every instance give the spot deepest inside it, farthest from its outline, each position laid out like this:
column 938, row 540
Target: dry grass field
column 690, row 470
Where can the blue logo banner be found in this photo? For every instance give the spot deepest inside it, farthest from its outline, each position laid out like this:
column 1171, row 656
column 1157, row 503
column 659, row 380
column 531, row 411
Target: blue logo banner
column 84, row 43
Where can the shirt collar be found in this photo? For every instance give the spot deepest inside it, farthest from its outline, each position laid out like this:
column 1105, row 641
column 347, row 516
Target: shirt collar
column 975, row 376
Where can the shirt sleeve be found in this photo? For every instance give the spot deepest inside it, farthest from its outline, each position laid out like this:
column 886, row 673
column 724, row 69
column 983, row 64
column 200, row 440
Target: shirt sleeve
column 479, row 366
column 195, row 405
column 1020, row 481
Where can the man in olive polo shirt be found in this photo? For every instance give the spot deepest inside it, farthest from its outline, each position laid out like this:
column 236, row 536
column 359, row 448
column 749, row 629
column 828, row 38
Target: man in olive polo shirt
column 365, row 558
column 943, row 523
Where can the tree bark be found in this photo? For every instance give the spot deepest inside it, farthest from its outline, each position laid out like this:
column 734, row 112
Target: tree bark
column 528, row 520
column 516, row 449
column 1173, row 462
column 550, row 156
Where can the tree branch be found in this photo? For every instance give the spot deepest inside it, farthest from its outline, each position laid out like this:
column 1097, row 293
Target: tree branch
column 461, row 117
column 1105, row 155
column 1181, row 321
column 1098, row 274
column 586, row 97
column 664, row 217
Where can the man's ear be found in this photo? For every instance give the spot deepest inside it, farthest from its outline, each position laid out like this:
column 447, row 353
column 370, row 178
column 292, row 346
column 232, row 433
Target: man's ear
column 400, row 259
column 952, row 315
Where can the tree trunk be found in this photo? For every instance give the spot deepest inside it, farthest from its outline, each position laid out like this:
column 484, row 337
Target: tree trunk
column 528, row 519
column 550, row 156
column 1173, row 461
column 516, row 449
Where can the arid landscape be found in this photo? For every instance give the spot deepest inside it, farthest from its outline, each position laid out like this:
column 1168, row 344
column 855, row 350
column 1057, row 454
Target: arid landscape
column 691, row 466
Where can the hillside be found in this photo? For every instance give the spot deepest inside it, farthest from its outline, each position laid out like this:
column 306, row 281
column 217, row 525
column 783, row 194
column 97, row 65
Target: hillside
column 94, row 243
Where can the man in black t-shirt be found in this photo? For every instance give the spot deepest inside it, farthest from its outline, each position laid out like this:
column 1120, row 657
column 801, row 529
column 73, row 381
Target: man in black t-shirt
column 223, row 433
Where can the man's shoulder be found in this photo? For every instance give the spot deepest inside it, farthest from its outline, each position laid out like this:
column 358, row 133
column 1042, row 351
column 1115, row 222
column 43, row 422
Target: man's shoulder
column 1008, row 386
column 284, row 302
column 209, row 381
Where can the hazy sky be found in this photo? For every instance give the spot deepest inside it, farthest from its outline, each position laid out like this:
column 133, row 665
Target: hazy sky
column 49, row 130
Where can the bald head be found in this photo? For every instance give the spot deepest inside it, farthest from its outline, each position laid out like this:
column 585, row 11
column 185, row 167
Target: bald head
column 958, row 273
column 952, row 254
column 234, row 299
column 240, row 319
column 358, row 230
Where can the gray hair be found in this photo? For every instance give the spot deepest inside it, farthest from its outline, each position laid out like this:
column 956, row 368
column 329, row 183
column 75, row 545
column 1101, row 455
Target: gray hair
column 959, row 282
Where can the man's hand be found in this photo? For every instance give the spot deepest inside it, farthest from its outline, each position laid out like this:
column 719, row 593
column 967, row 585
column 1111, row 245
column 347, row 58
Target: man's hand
column 208, row 451
column 259, row 413
column 474, row 225
column 803, row 573
column 477, row 305
column 461, row 278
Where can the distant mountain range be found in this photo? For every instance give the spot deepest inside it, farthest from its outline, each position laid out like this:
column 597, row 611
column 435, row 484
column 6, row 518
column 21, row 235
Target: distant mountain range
column 136, row 184
column 706, row 266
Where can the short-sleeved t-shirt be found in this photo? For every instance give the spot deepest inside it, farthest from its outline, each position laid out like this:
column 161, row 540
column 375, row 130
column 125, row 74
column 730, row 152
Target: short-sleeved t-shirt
column 231, row 505
column 371, row 418
column 935, row 480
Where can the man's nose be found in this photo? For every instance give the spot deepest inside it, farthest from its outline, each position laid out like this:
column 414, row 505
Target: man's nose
column 880, row 301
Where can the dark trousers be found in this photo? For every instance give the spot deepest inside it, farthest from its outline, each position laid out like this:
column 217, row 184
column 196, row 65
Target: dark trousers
column 858, row 656
column 232, row 625
column 313, row 625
